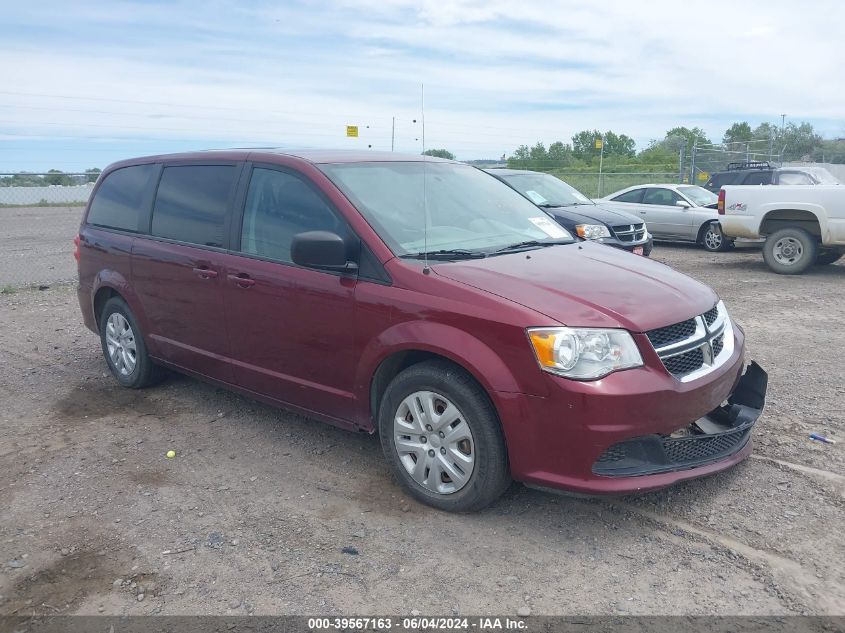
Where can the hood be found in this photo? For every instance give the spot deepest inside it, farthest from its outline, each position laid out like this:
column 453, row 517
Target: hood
column 587, row 213
column 587, row 285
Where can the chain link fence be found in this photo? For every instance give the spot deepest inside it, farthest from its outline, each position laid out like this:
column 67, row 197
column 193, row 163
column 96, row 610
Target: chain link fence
column 39, row 217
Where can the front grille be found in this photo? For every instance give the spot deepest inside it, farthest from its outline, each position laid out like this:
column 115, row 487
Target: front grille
column 692, row 345
column 629, row 232
column 615, row 453
column 685, row 363
column 718, row 345
column 664, row 336
column 701, row 447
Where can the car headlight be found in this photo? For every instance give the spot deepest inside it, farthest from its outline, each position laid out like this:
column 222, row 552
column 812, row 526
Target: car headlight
column 592, row 231
column 583, row 353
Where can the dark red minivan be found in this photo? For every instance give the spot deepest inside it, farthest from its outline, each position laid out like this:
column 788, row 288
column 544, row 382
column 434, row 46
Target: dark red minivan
column 424, row 299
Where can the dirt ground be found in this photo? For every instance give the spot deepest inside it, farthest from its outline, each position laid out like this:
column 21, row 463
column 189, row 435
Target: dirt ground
column 267, row 512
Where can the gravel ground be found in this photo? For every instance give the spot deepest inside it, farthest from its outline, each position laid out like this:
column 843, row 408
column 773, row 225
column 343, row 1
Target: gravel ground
column 36, row 245
column 267, row 512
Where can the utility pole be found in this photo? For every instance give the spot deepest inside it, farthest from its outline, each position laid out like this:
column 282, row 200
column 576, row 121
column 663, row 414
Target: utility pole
column 600, row 143
column 782, row 125
column 392, row 133
column 692, row 162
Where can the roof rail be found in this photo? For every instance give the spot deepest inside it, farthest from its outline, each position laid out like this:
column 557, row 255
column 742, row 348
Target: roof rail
column 749, row 164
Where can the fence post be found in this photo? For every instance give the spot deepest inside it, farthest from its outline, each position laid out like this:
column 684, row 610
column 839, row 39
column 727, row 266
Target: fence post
column 692, row 162
column 681, row 163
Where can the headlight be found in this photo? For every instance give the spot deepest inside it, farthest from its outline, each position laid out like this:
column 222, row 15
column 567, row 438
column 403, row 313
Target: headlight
column 582, row 353
column 592, row 231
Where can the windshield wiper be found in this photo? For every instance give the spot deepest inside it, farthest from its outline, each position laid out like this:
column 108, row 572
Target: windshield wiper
column 446, row 254
column 549, row 205
column 529, row 244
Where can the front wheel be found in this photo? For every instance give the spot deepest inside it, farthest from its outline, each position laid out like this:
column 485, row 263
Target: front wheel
column 713, row 240
column 790, row 251
column 442, row 438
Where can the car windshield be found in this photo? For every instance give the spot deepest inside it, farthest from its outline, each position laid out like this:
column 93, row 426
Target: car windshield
column 468, row 210
column 546, row 190
column 699, row 195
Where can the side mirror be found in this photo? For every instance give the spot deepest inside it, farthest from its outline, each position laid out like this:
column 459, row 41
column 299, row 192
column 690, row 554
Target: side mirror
column 682, row 203
column 321, row 249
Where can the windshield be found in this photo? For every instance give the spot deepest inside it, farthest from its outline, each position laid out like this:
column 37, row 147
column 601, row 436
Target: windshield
column 468, row 210
column 700, row 196
column 546, row 190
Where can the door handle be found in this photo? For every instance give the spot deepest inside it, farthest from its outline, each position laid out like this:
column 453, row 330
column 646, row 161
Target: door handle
column 205, row 273
column 242, row 280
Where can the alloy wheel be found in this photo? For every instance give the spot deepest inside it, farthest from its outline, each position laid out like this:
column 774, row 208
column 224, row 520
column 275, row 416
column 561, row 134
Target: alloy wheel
column 120, row 342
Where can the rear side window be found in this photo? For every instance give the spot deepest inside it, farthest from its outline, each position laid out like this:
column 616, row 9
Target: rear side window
column 632, row 196
column 191, row 203
column 720, row 180
column 278, row 206
column 117, row 203
column 794, row 178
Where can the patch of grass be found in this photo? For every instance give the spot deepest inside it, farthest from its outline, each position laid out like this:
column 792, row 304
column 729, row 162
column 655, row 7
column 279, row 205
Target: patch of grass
column 8, row 290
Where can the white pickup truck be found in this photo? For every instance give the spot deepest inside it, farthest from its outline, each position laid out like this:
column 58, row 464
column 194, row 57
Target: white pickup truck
column 802, row 225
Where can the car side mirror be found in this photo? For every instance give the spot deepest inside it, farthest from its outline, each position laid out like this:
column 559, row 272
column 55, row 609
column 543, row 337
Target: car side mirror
column 682, row 203
column 323, row 250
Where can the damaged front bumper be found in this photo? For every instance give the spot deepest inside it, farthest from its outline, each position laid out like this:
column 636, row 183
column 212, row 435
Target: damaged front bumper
column 717, row 436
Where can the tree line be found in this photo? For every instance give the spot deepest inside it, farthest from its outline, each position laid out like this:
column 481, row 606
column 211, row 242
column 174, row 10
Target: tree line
column 52, row 177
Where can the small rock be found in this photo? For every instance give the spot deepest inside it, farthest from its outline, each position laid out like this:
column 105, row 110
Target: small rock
column 234, row 604
column 523, row 612
column 141, row 597
column 235, row 542
column 16, row 564
column 101, row 608
column 65, row 552
column 415, row 612
column 352, row 551
column 253, row 478
column 405, row 508
column 117, row 584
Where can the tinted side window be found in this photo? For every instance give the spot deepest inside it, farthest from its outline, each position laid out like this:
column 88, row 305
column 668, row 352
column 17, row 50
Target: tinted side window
column 720, row 180
column 191, row 203
column 758, row 178
column 632, row 196
column 278, row 206
column 661, row 196
column 117, row 203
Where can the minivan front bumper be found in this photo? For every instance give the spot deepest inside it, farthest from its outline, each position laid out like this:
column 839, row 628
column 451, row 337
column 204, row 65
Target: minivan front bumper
column 634, row 430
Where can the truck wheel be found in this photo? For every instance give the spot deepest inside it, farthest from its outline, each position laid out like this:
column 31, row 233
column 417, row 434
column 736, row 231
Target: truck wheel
column 790, row 251
column 828, row 257
column 713, row 240
column 442, row 438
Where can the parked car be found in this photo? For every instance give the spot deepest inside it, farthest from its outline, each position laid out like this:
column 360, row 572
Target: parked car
column 802, row 225
column 422, row 299
column 677, row 213
column 576, row 212
column 762, row 173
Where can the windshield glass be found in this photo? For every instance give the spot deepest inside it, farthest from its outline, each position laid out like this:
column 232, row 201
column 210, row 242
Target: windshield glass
column 543, row 189
column 699, row 195
column 467, row 208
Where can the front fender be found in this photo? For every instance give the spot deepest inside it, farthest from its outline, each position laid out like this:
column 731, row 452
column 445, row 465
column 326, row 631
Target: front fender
column 464, row 349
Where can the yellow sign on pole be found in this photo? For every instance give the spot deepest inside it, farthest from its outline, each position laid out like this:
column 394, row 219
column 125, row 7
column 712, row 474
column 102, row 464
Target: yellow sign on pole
column 599, row 143
column 352, row 130
column 703, row 176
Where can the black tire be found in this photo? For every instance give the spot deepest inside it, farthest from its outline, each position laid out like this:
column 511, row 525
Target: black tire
column 790, row 251
column 826, row 257
column 713, row 240
column 490, row 475
column 145, row 372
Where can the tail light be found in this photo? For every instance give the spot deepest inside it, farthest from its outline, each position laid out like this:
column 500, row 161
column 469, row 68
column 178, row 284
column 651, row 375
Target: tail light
column 720, row 206
column 76, row 248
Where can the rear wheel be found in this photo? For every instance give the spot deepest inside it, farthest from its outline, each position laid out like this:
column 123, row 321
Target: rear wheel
column 442, row 438
column 790, row 251
column 124, row 347
column 828, row 257
column 712, row 239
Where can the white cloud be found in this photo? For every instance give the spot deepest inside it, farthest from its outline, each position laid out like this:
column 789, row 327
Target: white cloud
column 497, row 73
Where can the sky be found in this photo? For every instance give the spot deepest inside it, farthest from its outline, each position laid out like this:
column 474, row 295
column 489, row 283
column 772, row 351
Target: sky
column 86, row 83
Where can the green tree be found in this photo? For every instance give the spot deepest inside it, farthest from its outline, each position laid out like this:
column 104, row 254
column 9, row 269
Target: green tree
column 738, row 133
column 799, row 141
column 439, row 153
column 560, row 153
column 584, row 145
column 56, row 177
column 683, row 136
column 92, row 174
